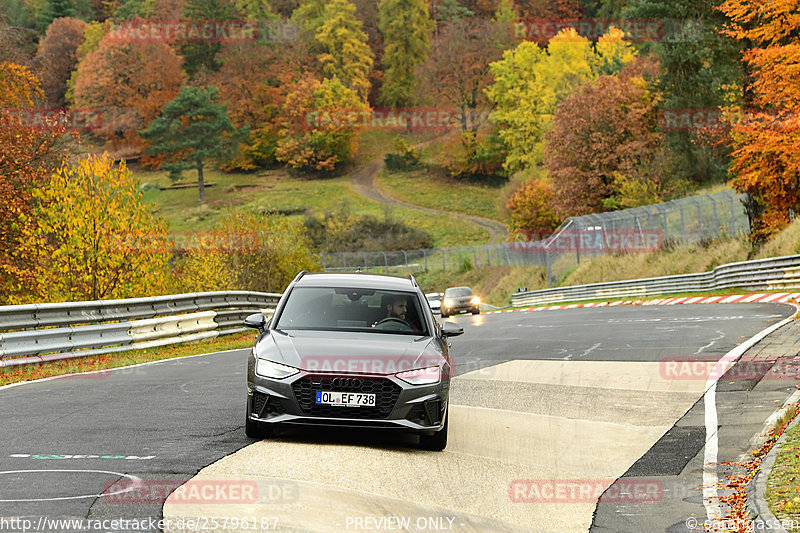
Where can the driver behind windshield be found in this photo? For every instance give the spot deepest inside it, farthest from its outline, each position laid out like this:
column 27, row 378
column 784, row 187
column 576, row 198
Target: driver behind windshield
column 396, row 307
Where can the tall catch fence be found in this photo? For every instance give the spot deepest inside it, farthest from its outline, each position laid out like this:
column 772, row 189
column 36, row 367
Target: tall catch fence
column 638, row 230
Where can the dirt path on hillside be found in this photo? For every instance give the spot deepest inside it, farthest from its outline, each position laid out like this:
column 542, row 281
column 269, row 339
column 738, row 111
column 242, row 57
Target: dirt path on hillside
column 363, row 181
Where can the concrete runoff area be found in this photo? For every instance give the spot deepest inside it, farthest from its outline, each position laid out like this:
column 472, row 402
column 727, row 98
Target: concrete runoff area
column 488, row 449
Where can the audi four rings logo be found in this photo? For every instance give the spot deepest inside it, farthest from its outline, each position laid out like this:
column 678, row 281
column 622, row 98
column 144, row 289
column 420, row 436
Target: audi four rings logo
column 349, row 383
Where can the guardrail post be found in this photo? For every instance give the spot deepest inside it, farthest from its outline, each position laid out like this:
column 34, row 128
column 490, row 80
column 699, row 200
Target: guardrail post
column 474, row 257
column 444, row 264
column 405, row 258
column 385, row 262
column 344, row 261
column 366, row 268
column 425, row 255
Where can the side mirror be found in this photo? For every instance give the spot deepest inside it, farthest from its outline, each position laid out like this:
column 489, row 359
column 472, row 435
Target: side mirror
column 256, row 321
column 451, row 329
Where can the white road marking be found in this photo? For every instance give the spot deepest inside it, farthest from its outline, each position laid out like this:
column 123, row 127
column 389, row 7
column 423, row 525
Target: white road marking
column 710, row 344
column 133, row 486
column 710, row 456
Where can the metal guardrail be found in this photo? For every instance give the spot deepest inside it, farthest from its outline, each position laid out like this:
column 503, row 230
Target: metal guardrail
column 39, row 333
column 775, row 273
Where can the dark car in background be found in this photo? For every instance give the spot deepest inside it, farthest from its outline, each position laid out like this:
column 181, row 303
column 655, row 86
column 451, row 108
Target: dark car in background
column 460, row 300
column 352, row 350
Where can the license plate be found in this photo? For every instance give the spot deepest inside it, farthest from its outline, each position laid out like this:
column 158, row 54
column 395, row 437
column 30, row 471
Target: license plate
column 347, row 399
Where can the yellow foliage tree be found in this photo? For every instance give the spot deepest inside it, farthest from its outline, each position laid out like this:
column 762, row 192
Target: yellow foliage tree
column 272, row 251
column 92, row 237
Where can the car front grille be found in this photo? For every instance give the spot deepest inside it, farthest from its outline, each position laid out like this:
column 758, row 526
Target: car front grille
column 386, row 391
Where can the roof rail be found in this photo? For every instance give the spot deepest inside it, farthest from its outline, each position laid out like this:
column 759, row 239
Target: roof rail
column 300, row 275
column 413, row 280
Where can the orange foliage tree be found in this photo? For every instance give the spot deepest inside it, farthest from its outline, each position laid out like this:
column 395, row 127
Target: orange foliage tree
column 766, row 156
column 254, row 81
column 92, row 237
column 531, row 214
column 128, row 82
column 27, row 156
column 58, row 55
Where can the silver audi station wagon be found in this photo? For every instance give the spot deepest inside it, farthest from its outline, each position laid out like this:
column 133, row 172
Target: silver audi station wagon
column 357, row 350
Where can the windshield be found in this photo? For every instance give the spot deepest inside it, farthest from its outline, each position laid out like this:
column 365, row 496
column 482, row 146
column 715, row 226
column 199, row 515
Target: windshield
column 353, row 309
column 458, row 292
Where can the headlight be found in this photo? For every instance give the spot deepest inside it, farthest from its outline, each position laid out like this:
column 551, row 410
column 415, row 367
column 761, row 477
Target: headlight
column 448, row 303
column 270, row 369
column 422, row 376
column 475, row 300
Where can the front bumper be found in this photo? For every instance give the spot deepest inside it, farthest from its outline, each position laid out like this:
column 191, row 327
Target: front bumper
column 466, row 308
column 415, row 408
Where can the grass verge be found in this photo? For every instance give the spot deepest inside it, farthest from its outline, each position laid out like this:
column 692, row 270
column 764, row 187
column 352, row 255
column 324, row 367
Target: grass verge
column 276, row 191
column 93, row 363
column 783, row 487
column 437, row 191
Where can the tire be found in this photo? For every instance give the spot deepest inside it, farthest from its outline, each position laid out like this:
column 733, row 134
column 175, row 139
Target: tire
column 438, row 441
column 443, row 315
column 476, row 312
column 255, row 430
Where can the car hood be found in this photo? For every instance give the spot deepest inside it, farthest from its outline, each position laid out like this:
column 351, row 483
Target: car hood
column 370, row 353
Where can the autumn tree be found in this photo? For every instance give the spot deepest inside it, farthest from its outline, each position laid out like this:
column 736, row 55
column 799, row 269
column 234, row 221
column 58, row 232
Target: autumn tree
column 345, row 54
column 766, row 146
column 93, row 33
column 58, row 55
column 129, row 82
column 550, row 9
column 91, row 236
column 277, row 251
column 406, row 28
column 317, row 133
column 457, row 71
column 27, row 157
column 192, row 130
column 699, row 70
column 310, row 15
column 604, row 143
column 255, row 9
column 248, row 251
column 254, row 80
column 530, row 83
column 531, row 209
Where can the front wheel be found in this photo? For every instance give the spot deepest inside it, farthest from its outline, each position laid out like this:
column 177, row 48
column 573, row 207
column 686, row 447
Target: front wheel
column 476, row 312
column 438, row 441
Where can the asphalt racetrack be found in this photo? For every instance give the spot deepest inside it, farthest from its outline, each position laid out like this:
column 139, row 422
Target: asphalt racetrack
column 540, row 399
